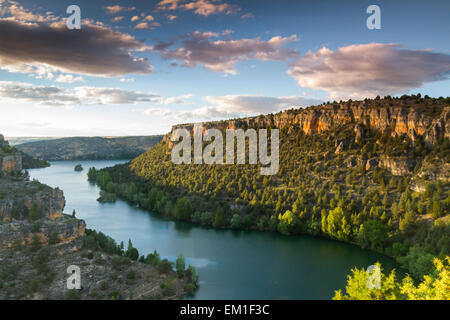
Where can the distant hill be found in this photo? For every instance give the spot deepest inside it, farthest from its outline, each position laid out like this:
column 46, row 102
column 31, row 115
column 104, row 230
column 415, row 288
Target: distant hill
column 89, row 148
column 14, row 141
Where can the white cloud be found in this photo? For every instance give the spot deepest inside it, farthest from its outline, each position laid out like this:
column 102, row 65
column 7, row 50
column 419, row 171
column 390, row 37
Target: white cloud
column 222, row 55
column 368, row 70
column 200, row 7
column 53, row 96
column 117, row 19
column 177, row 100
column 142, row 25
column 41, row 95
column 237, row 106
column 116, row 9
column 158, row 112
column 148, row 18
column 95, row 95
column 19, row 13
column 68, row 78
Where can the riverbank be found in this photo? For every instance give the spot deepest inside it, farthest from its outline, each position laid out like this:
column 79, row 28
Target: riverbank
column 230, row 264
column 408, row 241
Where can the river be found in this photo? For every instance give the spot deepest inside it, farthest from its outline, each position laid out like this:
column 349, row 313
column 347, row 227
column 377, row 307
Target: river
column 231, row 264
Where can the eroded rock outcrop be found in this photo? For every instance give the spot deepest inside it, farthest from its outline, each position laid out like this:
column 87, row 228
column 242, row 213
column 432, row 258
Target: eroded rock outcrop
column 65, row 229
column 10, row 164
column 398, row 166
column 29, row 208
column 429, row 119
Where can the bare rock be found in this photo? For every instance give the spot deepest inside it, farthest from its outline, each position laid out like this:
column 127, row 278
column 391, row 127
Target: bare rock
column 398, row 166
column 371, row 163
column 10, row 164
column 340, row 148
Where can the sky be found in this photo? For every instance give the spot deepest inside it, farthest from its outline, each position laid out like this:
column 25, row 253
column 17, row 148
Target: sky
column 137, row 67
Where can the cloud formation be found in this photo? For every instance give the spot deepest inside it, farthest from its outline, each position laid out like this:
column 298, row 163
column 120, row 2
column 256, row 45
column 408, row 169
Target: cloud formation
column 116, row 9
column 177, row 100
column 200, row 7
column 36, row 94
column 68, row 78
column 19, row 13
column 94, row 50
column 236, row 106
column 368, row 70
column 56, row 96
column 222, row 55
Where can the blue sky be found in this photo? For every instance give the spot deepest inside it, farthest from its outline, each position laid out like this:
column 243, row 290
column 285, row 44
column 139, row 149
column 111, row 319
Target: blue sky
column 207, row 60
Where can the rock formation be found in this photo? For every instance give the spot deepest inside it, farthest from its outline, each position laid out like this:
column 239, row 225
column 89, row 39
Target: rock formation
column 19, row 197
column 392, row 117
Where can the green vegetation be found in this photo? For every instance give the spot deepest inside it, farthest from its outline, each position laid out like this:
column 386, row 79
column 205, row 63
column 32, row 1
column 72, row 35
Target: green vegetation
column 435, row 286
column 35, row 212
column 89, row 148
column 29, row 162
column 97, row 241
column 78, row 168
column 371, row 208
column 342, row 195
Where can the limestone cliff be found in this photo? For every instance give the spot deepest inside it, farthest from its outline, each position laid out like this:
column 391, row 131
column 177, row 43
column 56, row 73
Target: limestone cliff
column 24, row 203
column 65, row 229
column 10, row 161
column 413, row 117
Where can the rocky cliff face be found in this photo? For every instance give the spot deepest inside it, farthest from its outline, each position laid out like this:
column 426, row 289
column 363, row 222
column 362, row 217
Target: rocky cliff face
column 18, row 197
column 392, row 117
column 10, row 164
column 24, row 203
column 17, row 232
column 10, row 161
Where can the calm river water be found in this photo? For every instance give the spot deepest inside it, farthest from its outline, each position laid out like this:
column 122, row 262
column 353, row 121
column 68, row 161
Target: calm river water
column 231, row 265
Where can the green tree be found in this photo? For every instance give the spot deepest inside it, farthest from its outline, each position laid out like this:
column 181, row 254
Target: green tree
column 180, row 265
column 35, row 212
column 373, row 234
column 433, row 287
column 219, row 218
column 408, row 223
column 236, row 221
column 437, row 211
column 183, row 209
column 132, row 252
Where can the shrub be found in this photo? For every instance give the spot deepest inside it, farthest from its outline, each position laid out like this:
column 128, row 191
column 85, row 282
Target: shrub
column 153, row 258
column 73, row 295
column 180, row 265
column 119, row 262
column 35, row 212
column 131, row 275
column 53, row 239
column 165, row 266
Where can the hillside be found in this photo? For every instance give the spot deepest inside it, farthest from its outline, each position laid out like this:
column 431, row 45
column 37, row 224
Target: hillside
column 14, row 141
column 375, row 173
column 89, row 148
column 38, row 242
column 10, row 156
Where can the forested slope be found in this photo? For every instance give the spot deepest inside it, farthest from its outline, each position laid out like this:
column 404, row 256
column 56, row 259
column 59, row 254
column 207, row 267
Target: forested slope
column 373, row 172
